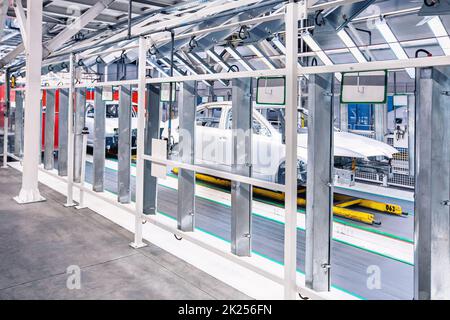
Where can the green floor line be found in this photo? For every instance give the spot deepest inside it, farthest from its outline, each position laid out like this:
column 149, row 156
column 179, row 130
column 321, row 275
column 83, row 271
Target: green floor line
column 262, row 256
column 298, row 228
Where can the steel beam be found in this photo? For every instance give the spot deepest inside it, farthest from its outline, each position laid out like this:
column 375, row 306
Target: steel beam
column 80, row 120
column 99, row 141
column 241, row 193
column 49, row 133
column 76, row 26
column 124, row 149
column 186, row 178
column 319, row 185
column 151, row 132
column 63, row 131
column 18, row 125
column 30, row 191
column 432, row 196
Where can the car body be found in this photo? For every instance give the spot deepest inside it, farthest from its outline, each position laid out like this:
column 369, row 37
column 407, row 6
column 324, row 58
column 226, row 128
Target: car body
column 111, row 126
column 213, row 143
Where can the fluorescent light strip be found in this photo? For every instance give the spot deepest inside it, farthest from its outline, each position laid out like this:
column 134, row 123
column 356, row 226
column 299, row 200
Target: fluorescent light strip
column 395, row 46
column 319, row 52
column 261, row 55
column 216, row 58
column 315, row 47
column 236, row 55
column 351, row 46
column 440, row 33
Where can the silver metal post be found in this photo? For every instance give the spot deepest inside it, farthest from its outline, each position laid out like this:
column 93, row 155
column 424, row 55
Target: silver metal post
column 84, row 135
column 186, row 178
column 241, row 193
column 6, row 120
column 62, row 131
column 49, row 135
column 432, row 196
column 99, row 141
column 319, row 185
column 18, row 128
column 124, row 149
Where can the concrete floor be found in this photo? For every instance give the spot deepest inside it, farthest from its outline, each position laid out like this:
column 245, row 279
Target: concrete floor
column 38, row 242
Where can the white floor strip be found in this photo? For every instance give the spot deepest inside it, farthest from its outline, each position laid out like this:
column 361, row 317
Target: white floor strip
column 249, row 282
column 367, row 240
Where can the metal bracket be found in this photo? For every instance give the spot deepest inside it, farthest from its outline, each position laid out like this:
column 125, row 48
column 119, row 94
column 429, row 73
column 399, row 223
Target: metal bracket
column 446, row 203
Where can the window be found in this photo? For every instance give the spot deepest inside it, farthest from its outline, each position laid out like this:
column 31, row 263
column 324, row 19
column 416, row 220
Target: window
column 209, row 117
column 257, row 126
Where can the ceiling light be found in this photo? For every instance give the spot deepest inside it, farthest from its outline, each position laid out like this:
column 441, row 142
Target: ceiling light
column 440, row 33
column 393, row 43
column 351, row 46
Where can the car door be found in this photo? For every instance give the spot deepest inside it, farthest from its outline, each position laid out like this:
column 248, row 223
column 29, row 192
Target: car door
column 208, row 135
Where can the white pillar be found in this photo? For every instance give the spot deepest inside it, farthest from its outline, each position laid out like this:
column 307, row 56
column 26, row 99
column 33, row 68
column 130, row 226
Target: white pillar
column 290, row 227
column 30, row 192
column 138, row 243
column 70, row 134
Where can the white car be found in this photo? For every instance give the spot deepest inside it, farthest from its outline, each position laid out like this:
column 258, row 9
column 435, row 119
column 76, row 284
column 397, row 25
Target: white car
column 213, row 143
column 111, row 126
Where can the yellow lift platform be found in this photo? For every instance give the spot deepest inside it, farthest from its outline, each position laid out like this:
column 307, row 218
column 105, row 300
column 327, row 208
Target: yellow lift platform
column 341, row 207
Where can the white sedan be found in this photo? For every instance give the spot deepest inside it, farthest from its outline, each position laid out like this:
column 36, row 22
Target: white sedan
column 213, row 143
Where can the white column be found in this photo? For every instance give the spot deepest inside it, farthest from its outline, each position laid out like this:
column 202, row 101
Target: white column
column 140, row 145
column 70, row 134
column 290, row 229
column 30, row 192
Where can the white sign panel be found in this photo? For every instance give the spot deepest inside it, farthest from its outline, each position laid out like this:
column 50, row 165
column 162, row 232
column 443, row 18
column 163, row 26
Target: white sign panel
column 159, row 151
column 400, row 100
column 107, row 93
column 364, row 87
column 165, row 92
column 271, row 90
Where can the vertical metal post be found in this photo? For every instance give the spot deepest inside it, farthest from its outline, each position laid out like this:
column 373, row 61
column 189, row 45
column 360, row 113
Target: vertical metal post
column 432, row 196
column 290, row 226
column 124, row 149
column 30, row 191
column 151, row 132
column 343, row 117
column 62, row 131
column 336, row 110
column 71, row 133
column 80, row 120
column 319, row 185
column 99, row 141
column 186, row 178
column 411, row 133
column 140, row 145
column 18, row 128
column 49, row 136
column 84, row 135
column 6, row 114
column 380, row 115
column 241, row 193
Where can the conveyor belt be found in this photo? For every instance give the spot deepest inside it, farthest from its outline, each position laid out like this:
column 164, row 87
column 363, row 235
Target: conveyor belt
column 350, row 264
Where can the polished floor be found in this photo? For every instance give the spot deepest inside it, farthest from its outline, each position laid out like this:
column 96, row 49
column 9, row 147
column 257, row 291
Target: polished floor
column 44, row 245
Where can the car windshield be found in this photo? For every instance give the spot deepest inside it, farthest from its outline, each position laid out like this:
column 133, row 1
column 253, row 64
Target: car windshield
column 275, row 116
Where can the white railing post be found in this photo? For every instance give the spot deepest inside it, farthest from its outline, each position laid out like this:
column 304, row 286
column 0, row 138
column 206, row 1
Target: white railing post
column 138, row 243
column 290, row 228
